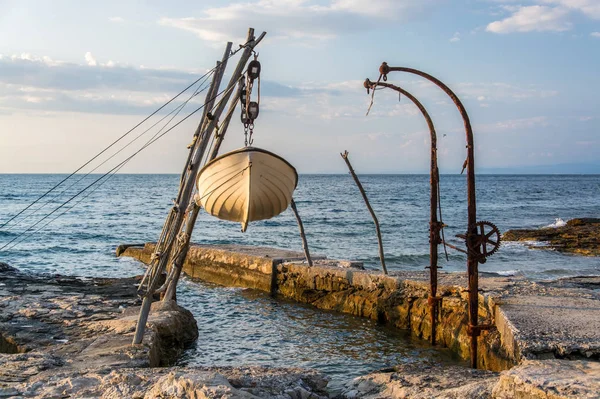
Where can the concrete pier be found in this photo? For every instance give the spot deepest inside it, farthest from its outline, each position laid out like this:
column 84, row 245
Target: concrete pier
column 544, row 340
column 532, row 320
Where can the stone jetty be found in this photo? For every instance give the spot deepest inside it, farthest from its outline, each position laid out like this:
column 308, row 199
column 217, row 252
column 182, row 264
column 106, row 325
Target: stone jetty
column 545, row 336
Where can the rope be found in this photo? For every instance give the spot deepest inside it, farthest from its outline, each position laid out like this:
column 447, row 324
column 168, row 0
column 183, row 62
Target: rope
column 118, row 139
column 152, row 141
column 373, row 94
column 439, row 199
column 111, row 174
column 177, row 110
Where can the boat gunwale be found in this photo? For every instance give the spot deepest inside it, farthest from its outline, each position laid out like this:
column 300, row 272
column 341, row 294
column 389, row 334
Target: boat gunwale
column 243, row 149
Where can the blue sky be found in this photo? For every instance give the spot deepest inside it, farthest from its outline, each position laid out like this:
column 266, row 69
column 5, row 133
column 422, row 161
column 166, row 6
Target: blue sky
column 75, row 75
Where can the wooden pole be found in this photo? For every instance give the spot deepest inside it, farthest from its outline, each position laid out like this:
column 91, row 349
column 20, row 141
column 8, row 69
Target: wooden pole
column 302, row 234
column 224, row 127
column 193, row 215
column 162, row 253
column 185, row 191
column 205, row 138
column 364, row 195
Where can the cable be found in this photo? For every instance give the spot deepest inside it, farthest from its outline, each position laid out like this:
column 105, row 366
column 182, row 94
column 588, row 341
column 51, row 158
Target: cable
column 119, row 139
column 152, row 141
column 177, row 110
column 109, row 173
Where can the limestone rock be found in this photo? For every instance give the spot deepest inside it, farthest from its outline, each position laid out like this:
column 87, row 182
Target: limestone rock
column 550, row 379
column 422, row 381
column 578, row 236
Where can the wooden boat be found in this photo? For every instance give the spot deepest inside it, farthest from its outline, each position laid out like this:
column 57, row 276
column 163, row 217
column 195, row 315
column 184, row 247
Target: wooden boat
column 246, row 185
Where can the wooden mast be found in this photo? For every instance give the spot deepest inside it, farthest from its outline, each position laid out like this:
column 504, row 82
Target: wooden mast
column 171, row 232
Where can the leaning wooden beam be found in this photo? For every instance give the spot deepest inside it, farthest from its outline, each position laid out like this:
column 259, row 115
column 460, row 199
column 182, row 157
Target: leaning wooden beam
column 162, row 256
column 184, row 243
column 223, row 128
column 204, row 140
column 364, row 195
column 182, row 252
column 302, row 235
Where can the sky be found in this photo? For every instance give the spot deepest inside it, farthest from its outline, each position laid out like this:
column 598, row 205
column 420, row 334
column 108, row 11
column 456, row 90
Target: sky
column 76, row 75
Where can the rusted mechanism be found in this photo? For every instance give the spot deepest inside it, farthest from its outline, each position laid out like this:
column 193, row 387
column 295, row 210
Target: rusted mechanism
column 483, row 243
column 480, row 244
column 435, row 224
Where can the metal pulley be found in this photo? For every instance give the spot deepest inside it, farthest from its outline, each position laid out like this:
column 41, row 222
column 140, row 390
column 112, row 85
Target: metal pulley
column 253, row 110
column 254, row 69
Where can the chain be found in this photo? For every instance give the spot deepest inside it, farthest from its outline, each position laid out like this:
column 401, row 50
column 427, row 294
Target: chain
column 250, row 109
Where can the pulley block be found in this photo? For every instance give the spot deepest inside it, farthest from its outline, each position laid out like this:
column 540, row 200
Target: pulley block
column 254, row 69
column 253, row 110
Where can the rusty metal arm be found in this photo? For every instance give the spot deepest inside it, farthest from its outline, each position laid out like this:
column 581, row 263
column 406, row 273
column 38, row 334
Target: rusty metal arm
column 434, row 224
column 473, row 256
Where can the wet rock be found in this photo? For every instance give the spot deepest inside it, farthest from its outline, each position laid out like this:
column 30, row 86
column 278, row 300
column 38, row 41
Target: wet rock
column 578, row 236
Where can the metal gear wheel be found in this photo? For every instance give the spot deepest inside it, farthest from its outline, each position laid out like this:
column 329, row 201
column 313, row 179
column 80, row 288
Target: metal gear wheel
column 487, row 242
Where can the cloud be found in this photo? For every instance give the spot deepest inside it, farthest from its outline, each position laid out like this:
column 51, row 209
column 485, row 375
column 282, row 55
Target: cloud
column 41, row 83
column 91, row 61
column 595, row 34
column 455, row 38
column 45, row 73
column 499, row 91
column 116, row 19
column 513, row 124
column 590, row 8
column 534, row 18
column 297, row 19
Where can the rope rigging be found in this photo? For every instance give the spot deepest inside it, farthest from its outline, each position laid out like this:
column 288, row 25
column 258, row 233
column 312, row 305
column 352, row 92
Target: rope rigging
column 175, row 110
column 114, row 169
column 208, row 73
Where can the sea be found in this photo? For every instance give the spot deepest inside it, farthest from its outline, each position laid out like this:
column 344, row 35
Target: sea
column 241, row 326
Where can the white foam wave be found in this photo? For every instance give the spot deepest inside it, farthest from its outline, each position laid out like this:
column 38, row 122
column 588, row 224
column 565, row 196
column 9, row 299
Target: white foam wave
column 558, row 222
column 507, row 273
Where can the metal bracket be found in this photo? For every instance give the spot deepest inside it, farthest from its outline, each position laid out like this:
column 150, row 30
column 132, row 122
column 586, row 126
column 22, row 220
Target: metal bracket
column 475, row 330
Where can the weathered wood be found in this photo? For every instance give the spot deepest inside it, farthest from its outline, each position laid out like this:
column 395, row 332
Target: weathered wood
column 193, row 214
column 302, row 234
column 202, row 146
column 175, row 219
column 224, row 127
column 190, row 222
column 375, row 220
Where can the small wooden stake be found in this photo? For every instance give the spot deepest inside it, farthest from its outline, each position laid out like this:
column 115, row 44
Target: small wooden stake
column 364, row 195
column 301, row 227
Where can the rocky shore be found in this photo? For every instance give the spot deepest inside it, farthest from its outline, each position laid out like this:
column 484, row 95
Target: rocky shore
column 70, row 337
column 577, row 236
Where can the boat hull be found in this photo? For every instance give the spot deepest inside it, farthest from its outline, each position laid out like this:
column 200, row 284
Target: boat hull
column 246, row 185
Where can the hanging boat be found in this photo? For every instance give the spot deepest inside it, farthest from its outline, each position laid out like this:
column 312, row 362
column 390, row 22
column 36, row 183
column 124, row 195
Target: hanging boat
column 246, row 185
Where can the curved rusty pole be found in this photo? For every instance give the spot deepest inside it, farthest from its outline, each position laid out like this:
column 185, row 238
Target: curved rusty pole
column 474, row 328
column 434, row 225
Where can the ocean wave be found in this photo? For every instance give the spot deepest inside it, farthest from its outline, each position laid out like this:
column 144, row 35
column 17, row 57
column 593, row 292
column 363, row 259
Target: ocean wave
column 505, row 273
column 558, row 222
